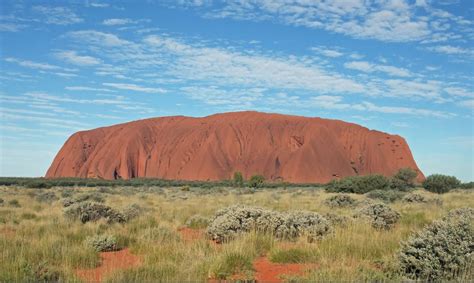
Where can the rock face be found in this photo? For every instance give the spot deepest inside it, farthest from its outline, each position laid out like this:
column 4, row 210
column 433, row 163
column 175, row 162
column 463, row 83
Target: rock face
column 280, row 147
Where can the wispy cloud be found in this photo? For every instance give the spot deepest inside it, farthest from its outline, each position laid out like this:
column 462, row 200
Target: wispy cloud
column 85, row 88
column 452, row 50
column 134, row 87
column 80, row 60
column 32, row 65
column 327, row 52
column 117, row 22
column 57, row 15
column 367, row 67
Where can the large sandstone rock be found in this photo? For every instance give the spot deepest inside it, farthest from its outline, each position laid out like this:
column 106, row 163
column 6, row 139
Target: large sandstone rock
column 280, row 147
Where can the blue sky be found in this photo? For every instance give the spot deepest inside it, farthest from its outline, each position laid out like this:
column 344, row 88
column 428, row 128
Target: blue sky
column 403, row 67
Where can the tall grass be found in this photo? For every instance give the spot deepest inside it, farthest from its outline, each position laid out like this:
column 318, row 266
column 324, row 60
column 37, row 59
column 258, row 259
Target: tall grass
column 39, row 243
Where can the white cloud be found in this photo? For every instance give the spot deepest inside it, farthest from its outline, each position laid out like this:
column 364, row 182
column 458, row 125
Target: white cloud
column 76, row 59
column 369, row 68
column 134, row 87
column 85, row 88
column 451, row 50
column 327, row 52
column 11, row 27
column 117, row 22
column 99, row 5
column 32, row 65
column 97, row 37
column 469, row 103
column 459, row 91
column 57, row 15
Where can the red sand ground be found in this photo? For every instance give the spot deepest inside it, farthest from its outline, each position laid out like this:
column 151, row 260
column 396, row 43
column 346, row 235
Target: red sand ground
column 280, row 147
column 110, row 262
column 267, row 271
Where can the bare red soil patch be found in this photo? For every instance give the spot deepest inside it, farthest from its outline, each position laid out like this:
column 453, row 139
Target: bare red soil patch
column 267, row 271
column 7, row 232
column 110, row 262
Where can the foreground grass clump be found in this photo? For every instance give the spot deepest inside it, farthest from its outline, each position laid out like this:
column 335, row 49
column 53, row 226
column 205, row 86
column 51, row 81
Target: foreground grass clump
column 443, row 250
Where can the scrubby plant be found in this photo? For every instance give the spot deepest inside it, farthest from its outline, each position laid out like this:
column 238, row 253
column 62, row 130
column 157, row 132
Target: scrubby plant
column 414, row 198
column 233, row 220
column 404, row 179
column 441, row 251
column 46, row 197
column 385, row 195
column 40, row 272
column 440, row 184
column 358, row 184
column 103, row 243
column 256, row 181
column 340, row 201
column 14, row 203
column 197, row 222
column 336, row 219
column 1, row 202
column 132, row 211
column 185, row 189
column 467, row 186
column 68, row 202
column 87, row 211
column 381, row 216
column 238, row 180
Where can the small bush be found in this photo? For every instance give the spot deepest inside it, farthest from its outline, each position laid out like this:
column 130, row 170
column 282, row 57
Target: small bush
column 440, row 184
column 46, row 197
column 358, row 184
column 68, row 202
column 380, row 215
column 414, row 198
column 1, row 202
column 231, row 221
column 336, row 219
column 256, row 181
column 467, row 186
column 340, row 201
column 40, row 272
column 87, row 211
column 441, row 251
column 132, row 211
column 404, row 179
column 103, row 243
column 385, row 195
column 14, row 203
column 238, row 180
column 197, row 222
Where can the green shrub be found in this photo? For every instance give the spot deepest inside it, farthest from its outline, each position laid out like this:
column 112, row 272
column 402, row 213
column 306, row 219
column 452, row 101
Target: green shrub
column 1, row 202
column 358, row 184
column 233, row 220
column 340, row 201
column 441, row 251
column 414, row 198
column 336, row 219
column 404, row 179
column 467, row 186
column 256, row 181
column 103, row 243
column 385, row 195
column 197, row 222
column 440, row 184
column 40, row 272
column 238, row 180
column 87, row 211
column 381, row 216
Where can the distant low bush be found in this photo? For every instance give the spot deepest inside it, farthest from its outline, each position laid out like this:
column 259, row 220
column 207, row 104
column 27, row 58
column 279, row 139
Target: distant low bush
column 14, row 203
column 385, row 195
column 197, row 222
column 40, row 272
column 414, row 198
column 441, row 251
column 256, row 181
column 132, row 211
column 381, row 216
column 103, row 243
column 231, row 221
column 47, row 197
column 358, row 184
column 340, row 201
column 467, row 186
column 440, row 184
column 1, row 202
column 336, row 219
column 238, row 180
column 87, row 211
column 404, row 179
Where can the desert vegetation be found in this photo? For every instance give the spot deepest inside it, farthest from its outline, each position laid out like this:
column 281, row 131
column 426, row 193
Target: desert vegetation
column 207, row 232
